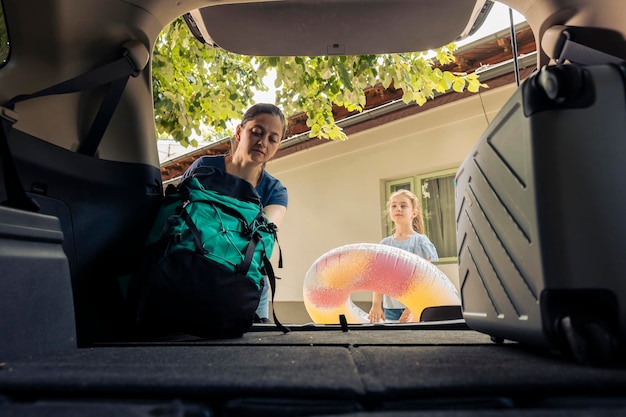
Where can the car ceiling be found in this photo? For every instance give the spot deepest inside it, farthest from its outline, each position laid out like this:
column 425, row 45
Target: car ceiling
column 347, row 27
column 338, row 27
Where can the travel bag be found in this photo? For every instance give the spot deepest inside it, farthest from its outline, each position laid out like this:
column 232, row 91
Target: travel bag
column 205, row 258
column 541, row 225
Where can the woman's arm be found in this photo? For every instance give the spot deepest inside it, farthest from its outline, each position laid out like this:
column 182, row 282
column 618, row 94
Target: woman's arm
column 275, row 213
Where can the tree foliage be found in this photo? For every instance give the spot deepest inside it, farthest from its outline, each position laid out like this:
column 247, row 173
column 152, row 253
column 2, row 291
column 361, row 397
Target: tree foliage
column 195, row 86
column 200, row 91
column 4, row 38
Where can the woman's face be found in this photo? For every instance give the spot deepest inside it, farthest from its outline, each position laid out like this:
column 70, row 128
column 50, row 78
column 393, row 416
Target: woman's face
column 259, row 138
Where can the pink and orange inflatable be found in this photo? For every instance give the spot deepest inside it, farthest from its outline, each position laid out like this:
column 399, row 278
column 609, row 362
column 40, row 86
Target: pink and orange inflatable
column 342, row 271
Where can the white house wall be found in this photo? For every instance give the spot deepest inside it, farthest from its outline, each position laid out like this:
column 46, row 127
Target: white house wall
column 335, row 189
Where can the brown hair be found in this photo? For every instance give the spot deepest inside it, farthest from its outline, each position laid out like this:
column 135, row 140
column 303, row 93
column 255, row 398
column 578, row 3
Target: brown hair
column 418, row 221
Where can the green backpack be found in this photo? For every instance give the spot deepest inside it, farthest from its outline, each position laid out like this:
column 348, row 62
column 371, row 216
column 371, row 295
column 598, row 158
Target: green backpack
column 206, row 255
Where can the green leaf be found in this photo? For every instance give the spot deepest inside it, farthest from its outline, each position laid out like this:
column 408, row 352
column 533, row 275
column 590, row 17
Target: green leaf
column 458, row 85
column 199, row 91
column 345, row 77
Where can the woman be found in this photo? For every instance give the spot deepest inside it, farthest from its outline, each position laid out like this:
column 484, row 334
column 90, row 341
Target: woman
column 256, row 140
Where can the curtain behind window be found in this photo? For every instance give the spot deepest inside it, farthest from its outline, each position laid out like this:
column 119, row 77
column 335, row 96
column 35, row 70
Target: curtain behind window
column 438, row 208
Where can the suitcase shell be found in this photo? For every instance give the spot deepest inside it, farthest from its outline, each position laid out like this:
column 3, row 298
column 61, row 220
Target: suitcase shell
column 36, row 304
column 541, row 215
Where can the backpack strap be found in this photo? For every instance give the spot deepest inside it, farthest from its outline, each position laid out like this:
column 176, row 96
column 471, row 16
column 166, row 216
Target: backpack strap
column 269, row 270
column 193, row 229
column 272, row 278
column 280, row 251
column 244, row 266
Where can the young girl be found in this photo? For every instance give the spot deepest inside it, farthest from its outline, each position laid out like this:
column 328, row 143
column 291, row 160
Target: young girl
column 405, row 211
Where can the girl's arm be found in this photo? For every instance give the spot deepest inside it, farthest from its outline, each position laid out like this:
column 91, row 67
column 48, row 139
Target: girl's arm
column 376, row 312
column 406, row 317
column 426, row 249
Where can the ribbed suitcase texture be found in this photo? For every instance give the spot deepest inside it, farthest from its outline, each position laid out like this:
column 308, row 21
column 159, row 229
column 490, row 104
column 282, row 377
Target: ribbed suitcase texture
column 541, row 215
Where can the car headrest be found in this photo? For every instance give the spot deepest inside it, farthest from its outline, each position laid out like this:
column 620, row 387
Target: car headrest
column 583, row 45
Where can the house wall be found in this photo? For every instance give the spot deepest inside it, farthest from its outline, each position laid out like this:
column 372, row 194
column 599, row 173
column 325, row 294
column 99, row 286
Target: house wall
column 336, row 189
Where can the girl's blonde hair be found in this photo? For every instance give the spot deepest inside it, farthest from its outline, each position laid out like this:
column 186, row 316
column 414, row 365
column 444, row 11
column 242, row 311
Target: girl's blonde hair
column 418, row 221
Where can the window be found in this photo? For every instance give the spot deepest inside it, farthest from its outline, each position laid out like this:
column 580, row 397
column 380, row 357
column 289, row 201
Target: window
column 436, row 192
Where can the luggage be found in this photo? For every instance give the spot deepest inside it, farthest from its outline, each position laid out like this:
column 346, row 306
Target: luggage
column 36, row 304
column 541, row 216
column 205, row 259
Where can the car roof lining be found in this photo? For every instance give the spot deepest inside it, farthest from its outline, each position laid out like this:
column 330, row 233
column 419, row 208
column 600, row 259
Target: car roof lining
column 294, row 26
column 337, row 27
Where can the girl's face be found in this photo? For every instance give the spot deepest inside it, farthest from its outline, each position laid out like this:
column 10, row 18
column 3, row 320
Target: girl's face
column 259, row 138
column 401, row 210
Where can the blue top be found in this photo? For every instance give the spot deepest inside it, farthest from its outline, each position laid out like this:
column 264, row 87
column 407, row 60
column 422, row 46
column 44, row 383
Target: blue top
column 270, row 189
column 418, row 244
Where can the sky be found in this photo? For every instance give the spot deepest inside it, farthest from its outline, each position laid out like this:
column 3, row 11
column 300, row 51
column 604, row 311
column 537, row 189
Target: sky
column 497, row 20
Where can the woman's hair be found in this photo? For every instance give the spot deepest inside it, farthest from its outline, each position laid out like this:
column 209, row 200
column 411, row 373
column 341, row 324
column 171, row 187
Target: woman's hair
column 254, row 111
column 418, row 221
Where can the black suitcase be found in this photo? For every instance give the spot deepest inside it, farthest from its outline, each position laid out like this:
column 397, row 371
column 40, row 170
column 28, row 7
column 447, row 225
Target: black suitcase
column 541, row 215
column 36, row 303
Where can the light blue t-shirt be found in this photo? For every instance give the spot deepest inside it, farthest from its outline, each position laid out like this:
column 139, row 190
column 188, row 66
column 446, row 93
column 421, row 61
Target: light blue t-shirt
column 418, row 244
